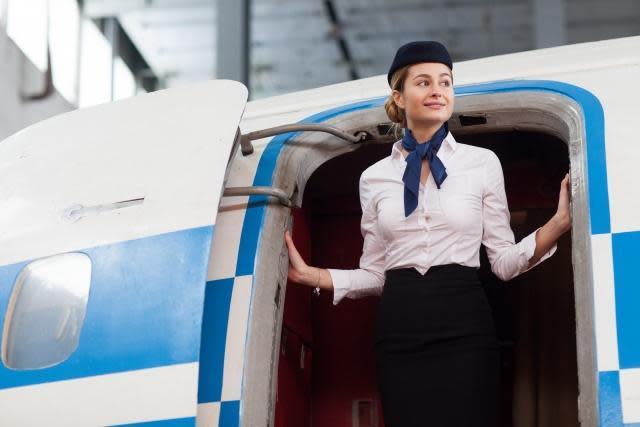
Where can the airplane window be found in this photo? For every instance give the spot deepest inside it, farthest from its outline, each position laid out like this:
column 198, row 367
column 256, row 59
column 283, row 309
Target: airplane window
column 46, row 312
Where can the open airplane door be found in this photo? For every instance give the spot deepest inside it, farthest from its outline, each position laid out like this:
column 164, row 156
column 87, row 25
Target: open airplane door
column 106, row 220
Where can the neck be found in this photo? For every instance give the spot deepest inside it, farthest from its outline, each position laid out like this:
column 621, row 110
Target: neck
column 423, row 134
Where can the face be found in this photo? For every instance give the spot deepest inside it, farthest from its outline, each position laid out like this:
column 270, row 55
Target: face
column 427, row 96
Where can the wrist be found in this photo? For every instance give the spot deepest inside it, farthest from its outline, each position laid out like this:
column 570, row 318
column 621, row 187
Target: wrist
column 311, row 276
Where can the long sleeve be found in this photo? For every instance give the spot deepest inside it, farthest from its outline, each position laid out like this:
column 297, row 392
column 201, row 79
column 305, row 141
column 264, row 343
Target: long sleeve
column 369, row 278
column 507, row 258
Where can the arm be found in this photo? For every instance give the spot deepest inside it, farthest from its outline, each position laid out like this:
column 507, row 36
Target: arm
column 507, row 258
column 302, row 273
column 367, row 280
column 560, row 223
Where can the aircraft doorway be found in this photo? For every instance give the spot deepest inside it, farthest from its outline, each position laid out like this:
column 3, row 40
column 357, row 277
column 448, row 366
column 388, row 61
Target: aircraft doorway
column 326, row 373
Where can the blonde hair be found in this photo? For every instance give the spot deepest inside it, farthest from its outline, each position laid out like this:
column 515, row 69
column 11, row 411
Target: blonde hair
column 396, row 114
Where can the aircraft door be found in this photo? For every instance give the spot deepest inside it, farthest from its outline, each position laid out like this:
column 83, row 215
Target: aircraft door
column 106, row 220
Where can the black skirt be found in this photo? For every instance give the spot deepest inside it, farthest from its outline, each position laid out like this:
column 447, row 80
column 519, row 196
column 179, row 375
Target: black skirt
column 437, row 355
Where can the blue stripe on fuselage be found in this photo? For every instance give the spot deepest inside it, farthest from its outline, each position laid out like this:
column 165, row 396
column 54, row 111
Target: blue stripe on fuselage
column 214, row 337
column 144, row 310
column 176, row 422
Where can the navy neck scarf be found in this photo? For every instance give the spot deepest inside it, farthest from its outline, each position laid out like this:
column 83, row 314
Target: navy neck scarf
column 417, row 152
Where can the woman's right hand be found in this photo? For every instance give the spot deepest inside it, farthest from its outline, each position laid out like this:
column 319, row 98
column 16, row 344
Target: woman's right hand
column 302, row 273
column 298, row 269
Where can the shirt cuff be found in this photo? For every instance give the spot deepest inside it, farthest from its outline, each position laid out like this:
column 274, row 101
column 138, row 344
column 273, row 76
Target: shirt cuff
column 340, row 279
column 528, row 248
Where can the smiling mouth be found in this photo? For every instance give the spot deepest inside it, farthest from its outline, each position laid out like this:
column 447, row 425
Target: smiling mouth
column 435, row 106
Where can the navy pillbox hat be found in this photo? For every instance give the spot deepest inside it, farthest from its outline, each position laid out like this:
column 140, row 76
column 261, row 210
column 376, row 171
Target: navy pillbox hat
column 419, row 51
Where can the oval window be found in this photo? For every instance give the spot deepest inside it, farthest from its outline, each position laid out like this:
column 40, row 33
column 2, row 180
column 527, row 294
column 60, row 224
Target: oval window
column 46, row 311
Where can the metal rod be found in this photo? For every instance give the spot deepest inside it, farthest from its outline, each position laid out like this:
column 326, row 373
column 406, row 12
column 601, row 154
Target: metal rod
column 247, row 147
column 261, row 191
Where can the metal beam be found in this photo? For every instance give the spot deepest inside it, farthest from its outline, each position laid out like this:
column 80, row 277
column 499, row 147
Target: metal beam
column 336, row 26
column 549, row 23
column 110, row 31
column 232, row 56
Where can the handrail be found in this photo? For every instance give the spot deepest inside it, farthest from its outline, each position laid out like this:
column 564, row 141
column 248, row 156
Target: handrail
column 247, row 147
column 259, row 190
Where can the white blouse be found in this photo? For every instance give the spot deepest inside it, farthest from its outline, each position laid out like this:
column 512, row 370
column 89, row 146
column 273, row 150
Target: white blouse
column 447, row 227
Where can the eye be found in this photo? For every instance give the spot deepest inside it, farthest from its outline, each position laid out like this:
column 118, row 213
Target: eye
column 446, row 83
column 420, row 83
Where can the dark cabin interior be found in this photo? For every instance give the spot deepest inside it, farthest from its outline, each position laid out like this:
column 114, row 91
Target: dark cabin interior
column 326, row 375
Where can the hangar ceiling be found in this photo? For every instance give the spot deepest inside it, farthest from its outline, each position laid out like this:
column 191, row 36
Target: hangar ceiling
column 298, row 44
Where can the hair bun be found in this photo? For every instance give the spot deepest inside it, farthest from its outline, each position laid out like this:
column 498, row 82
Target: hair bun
column 395, row 113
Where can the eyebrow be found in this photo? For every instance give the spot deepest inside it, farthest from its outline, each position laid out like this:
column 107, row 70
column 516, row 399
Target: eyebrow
column 428, row 75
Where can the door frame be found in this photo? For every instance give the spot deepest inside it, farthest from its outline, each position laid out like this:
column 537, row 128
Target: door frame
column 569, row 112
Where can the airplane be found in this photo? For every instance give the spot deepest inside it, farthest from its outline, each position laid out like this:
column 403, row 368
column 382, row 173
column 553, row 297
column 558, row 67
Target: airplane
column 143, row 270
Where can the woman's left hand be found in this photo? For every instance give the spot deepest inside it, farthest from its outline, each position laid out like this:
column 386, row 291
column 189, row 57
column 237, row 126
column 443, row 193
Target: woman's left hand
column 563, row 214
column 560, row 223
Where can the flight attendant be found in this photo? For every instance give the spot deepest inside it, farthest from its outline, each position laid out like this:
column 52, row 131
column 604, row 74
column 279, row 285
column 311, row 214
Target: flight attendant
column 426, row 209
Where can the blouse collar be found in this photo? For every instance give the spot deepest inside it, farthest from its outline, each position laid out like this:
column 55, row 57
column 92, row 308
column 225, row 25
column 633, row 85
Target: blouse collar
column 447, row 148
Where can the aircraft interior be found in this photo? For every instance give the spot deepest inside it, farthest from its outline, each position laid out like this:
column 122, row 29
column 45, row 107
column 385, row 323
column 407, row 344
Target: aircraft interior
column 326, row 372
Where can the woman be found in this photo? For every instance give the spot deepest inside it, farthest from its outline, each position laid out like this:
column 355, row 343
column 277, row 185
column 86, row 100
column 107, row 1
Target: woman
column 426, row 209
